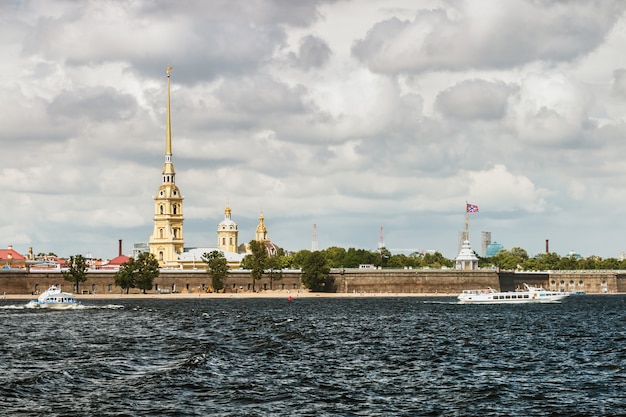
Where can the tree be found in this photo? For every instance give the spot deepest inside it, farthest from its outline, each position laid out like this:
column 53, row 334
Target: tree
column 275, row 266
column 77, row 271
column 315, row 272
column 147, row 270
column 217, row 268
column 435, row 260
column 125, row 276
column 384, row 256
column 299, row 258
column 335, row 256
column 256, row 261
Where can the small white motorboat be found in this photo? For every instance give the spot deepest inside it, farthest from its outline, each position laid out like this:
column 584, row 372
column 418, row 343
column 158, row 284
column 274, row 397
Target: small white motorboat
column 54, row 298
column 529, row 294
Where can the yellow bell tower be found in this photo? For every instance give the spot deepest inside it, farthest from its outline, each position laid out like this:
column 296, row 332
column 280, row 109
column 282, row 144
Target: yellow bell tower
column 261, row 230
column 166, row 242
column 227, row 233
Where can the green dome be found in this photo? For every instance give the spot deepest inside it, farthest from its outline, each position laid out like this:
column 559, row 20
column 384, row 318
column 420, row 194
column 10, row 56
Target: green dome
column 493, row 249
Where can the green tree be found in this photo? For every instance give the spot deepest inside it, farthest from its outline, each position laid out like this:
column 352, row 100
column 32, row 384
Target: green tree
column 275, row 265
column 257, row 261
column 384, row 256
column 509, row 259
column 299, row 258
column 147, row 271
column 543, row 262
column 77, row 271
column 125, row 276
column 436, row 260
column 217, row 268
column 567, row 263
column 335, row 256
column 315, row 272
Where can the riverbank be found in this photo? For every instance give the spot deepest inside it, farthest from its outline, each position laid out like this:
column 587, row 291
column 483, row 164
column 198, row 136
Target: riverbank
column 244, row 294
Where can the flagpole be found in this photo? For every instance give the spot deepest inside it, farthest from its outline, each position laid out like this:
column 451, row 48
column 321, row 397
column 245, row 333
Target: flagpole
column 466, row 222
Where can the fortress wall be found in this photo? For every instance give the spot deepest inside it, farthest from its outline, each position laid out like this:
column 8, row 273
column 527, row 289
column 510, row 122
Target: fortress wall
column 412, row 281
column 103, row 282
column 345, row 281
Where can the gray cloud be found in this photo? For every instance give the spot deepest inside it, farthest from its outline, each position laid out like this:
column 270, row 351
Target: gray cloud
column 474, row 99
column 508, row 104
column 313, row 53
column 260, row 95
column 100, row 104
column 513, row 34
column 619, row 82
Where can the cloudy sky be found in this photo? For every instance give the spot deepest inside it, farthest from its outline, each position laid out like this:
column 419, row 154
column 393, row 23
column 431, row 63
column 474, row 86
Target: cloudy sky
column 350, row 115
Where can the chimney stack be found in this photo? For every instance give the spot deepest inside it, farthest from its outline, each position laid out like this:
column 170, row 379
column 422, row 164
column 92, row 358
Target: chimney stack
column 547, row 246
column 120, row 247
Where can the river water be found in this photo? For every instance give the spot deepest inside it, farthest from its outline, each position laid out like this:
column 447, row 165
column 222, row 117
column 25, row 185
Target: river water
column 315, row 357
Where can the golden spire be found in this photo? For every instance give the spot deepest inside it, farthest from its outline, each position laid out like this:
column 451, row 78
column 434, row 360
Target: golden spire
column 261, row 230
column 227, row 211
column 168, row 167
column 168, row 127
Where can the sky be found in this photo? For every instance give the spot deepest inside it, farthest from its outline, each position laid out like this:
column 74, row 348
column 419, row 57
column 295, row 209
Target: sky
column 347, row 115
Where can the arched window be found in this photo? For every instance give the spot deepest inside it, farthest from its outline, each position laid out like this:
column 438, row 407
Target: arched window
column 223, row 241
column 161, row 233
column 160, row 255
column 175, row 208
column 161, row 209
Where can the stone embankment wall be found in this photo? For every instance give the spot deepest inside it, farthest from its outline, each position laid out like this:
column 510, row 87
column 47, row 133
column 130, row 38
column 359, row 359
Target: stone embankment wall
column 411, row 281
column 348, row 281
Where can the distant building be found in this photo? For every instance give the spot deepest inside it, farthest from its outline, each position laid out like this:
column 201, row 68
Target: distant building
column 138, row 248
column 467, row 259
column 10, row 258
column 115, row 263
column 262, row 236
column 228, row 233
column 493, row 249
column 485, row 241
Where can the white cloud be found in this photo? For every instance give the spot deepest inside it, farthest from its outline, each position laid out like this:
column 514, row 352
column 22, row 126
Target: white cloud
column 550, row 109
column 350, row 115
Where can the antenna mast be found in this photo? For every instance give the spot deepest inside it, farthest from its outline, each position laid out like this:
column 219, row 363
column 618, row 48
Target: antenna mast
column 314, row 241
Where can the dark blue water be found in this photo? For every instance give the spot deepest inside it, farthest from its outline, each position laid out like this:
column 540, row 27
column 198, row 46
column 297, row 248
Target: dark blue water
column 315, row 357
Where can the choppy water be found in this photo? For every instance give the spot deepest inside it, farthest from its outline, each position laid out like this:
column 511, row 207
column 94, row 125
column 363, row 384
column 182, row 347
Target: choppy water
column 315, row 357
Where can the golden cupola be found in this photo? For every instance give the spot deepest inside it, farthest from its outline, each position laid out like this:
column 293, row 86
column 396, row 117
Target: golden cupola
column 261, row 230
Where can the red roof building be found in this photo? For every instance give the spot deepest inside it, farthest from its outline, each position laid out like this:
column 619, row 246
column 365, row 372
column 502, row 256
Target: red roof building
column 115, row 263
column 10, row 258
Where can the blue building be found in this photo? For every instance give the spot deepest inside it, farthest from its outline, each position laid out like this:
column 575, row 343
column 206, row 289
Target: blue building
column 493, row 249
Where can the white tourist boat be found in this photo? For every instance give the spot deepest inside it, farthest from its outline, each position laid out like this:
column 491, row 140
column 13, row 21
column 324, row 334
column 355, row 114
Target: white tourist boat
column 529, row 294
column 54, row 298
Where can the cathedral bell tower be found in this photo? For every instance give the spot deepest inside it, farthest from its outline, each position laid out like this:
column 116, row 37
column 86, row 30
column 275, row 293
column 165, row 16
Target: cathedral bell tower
column 166, row 242
column 227, row 233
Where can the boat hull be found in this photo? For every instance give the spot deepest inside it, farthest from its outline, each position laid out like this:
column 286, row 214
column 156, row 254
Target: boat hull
column 546, row 301
column 528, row 296
column 53, row 306
column 59, row 306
